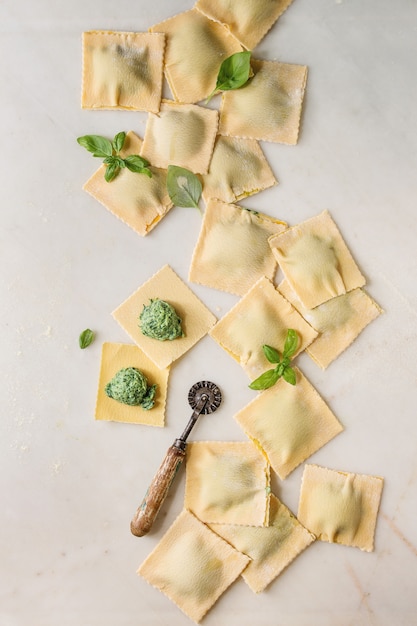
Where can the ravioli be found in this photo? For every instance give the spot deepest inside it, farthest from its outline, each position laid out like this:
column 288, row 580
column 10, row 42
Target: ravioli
column 289, row 423
column 122, row 70
column 268, row 107
column 196, row 319
column 116, row 356
column 262, row 316
column 238, row 169
column 196, row 47
column 139, row 201
column 340, row 507
column 316, row 261
column 232, row 251
column 182, row 135
column 339, row 321
column 192, row 566
column 248, row 20
column 227, row 483
column 271, row 548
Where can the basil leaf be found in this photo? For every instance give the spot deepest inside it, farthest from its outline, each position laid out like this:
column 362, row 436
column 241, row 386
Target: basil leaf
column 271, row 354
column 289, row 376
column 111, row 171
column 291, row 343
column 265, row 380
column 118, row 141
column 85, row 338
column 136, row 163
column 234, row 72
column 97, row 145
column 184, row 188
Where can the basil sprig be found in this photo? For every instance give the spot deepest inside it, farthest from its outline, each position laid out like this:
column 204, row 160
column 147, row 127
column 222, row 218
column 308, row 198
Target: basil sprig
column 234, row 72
column 283, row 368
column 109, row 151
column 85, row 338
column 184, row 188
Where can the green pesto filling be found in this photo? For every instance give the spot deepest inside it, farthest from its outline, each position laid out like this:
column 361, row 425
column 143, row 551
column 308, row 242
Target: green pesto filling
column 130, row 386
column 159, row 320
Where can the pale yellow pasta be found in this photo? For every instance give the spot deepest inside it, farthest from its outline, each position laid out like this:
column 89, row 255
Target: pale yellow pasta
column 340, row 507
column 238, row 169
column 196, row 47
column 196, row 319
column 316, row 261
column 116, row 356
column 339, row 321
column 182, row 135
column 248, row 20
column 139, row 201
column 262, row 316
column 269, row 106
column 289, row 423
column 122, row 70
column 227, row 483
column 192, row 566
column 232, row 251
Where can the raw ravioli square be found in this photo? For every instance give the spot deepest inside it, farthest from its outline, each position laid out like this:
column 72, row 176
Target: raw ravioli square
column 196, row 47
column 196, row 319
column 139, row 201
column 192, row 566
column 289, row 422
column 269, row 106
column 182, row 135
column 122, row 70
column 271, row 548
column 316, row 261
column 232, row 251
column 238, row 169
column 262, row 316
column 339, row 321
column 248, row 20
column 114, row 357
column 227, row 483
column 340, row 507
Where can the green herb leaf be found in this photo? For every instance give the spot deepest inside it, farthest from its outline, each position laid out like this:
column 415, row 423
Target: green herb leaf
column 85, row 338
column 289, row 375
column 271, row 354
column 265, row 380
column 136, row 163
column 119, row 141
column 97, row 145
column 291, row 343
column 111, row 171
column 234, row 72
column 184, row 188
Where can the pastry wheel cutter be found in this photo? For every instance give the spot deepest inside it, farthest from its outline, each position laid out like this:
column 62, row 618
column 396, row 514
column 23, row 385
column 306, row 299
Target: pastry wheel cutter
column 204, row 397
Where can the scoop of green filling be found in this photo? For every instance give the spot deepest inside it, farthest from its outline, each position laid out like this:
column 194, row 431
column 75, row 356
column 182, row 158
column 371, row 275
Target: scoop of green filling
column 130, row 386
column 159, row 320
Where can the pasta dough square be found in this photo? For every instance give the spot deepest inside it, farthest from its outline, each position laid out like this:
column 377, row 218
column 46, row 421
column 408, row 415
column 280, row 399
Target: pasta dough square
column 192, row 566
column 262, row 316
column 248, row 20
column 316, row 261
column 339, row 321
column 122, row 70
column 196, row 319
column 182, row 135
column 227, row 483
column 139, row 201
column 289, row 423
column 238, row 169
column 196, row 47
column 271, row 548
column 232, row 251
column 269, row 106
column 114, row 357
column 340, row 507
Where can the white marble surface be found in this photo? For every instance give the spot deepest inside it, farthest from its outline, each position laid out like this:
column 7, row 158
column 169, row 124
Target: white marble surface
column 69, row 485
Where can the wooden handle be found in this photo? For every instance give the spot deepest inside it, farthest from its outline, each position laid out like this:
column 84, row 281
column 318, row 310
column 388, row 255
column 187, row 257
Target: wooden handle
column 157, row 492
